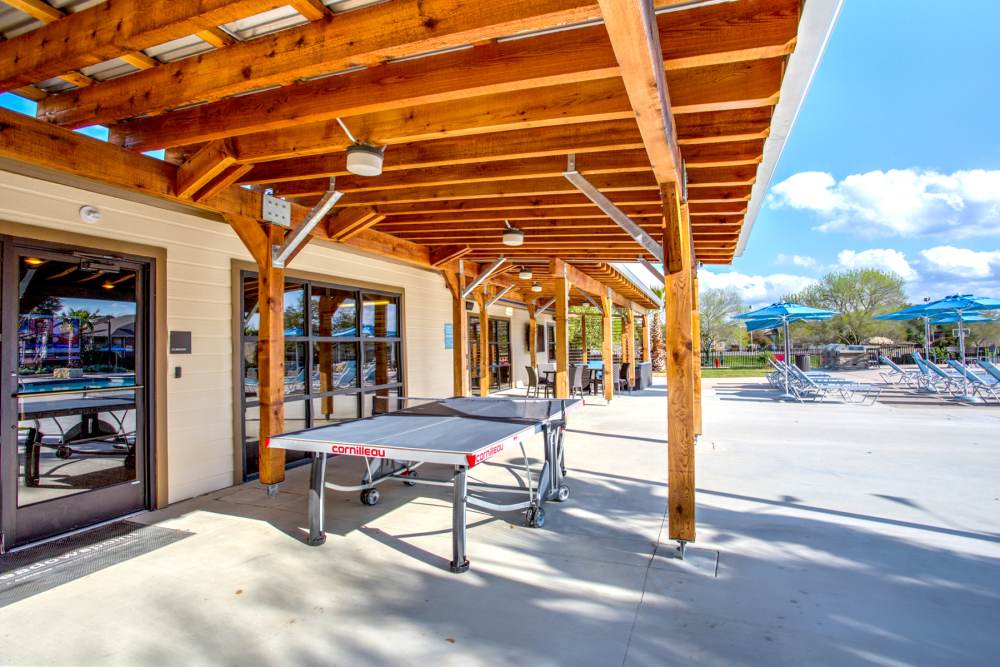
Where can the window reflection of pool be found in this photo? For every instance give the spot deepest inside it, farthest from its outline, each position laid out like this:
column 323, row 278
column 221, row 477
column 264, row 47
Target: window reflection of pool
column 74, row 384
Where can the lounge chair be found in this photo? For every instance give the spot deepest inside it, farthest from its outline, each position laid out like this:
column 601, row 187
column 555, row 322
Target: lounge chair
column 981, row 386
column 941, row 379
column 990, row 369
column 897, row 375
column 848, row 389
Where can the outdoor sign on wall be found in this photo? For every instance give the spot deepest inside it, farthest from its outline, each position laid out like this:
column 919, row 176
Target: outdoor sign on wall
column 180, row 342
column 449, row 336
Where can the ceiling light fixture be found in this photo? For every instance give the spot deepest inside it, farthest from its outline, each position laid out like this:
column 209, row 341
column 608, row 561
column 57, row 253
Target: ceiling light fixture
column 108, row 285
column 512, row 235
column 535, row 287
column 525, row 273
column 33, row 261
column 363, row 159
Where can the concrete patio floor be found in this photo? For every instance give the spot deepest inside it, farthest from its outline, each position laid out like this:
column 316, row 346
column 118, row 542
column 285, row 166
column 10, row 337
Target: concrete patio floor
column 829, row 534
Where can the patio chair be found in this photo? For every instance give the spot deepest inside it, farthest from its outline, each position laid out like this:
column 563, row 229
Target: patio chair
column 576, row 380
column 980, row 385
column 535, row 382
column 621, row 379
column 897, row 375
column 931, row 381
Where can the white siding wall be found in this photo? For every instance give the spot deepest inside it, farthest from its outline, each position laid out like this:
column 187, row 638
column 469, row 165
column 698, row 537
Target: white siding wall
column 198, row 274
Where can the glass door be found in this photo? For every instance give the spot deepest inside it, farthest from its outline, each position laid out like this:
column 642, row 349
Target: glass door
column 74, row 367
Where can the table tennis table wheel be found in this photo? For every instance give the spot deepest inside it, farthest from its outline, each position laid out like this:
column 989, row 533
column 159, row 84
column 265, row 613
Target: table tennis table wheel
column 535, row 517
column 370, row 496
column 64, row 452
column 562, row 493
column 411, row 473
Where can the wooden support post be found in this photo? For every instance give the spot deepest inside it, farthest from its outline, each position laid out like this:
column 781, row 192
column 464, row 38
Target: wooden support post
column 607, row 352
column 459, row 334
column 562, row 337
column 533, row 335
column 271, row 361
column 696, row 344
column 583, row 336
column 647, row 355
column 628, row 351
column 484, row 343
column 680, row 387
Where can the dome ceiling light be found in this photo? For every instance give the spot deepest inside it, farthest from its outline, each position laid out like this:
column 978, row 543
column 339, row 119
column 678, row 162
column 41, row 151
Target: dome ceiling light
column 512, row 236
column 535, row 287
column 363, row 159
column 525, row 273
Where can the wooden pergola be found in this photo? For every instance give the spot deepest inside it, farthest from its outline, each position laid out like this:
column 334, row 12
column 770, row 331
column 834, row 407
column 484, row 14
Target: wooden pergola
column 604, row 130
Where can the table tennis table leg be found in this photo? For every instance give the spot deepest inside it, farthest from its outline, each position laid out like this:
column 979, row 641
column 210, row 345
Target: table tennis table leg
column 317, row 487
column 459, row 563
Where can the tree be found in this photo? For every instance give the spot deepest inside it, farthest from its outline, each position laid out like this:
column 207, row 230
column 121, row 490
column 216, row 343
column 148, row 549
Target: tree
column 657, row 335
column 858, row 295
column 717, row 308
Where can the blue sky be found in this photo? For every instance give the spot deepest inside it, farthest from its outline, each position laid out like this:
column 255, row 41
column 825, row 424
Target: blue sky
column 894, row 161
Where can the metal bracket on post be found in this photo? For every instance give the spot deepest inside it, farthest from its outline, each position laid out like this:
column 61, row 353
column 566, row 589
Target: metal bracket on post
column 299, row 235
column 612, row 211
column 271, row 490
column 276, row 211
column 483, row 276
column 652, row 269
column 499, row 295
column 544, row 306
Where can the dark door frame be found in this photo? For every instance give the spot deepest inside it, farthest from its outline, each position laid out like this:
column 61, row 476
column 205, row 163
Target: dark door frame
column 145, row 398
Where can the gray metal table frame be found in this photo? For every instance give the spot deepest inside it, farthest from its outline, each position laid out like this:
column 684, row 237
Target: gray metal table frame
column 386, row 457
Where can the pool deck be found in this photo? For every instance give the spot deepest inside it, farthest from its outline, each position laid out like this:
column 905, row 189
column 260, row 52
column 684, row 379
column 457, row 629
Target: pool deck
column 829, row 534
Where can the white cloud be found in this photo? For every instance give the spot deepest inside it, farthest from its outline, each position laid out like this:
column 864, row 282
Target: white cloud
column 755, row 290
column 902, row 202
column 885, row 259
column 803, row 261
column 963, row 262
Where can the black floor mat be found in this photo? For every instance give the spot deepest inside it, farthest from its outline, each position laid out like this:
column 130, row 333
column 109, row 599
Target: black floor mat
column 38, row 569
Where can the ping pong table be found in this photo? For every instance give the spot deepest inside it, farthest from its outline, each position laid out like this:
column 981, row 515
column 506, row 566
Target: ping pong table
column 457, row 432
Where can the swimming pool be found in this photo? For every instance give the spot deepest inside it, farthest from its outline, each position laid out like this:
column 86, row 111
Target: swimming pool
column 74, row 384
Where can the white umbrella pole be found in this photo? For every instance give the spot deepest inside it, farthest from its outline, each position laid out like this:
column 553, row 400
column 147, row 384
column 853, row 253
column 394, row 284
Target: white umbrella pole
column 788, row 354
column 927, row 337
column 961, row 353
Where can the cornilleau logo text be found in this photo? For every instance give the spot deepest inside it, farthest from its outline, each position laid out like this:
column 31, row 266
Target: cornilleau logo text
column 479, row 457
column 358, row 450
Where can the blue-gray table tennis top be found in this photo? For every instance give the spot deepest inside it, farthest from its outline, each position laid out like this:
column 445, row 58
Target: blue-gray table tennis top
column 457, row 431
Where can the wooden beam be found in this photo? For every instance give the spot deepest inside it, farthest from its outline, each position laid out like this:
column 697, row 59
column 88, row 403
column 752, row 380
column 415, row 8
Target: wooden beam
column 694, row 38
column 484, row 342
column 215, row 36
column 628, row 348
column 271, row 364
column 109, row 30
column 313, row 10
column 672, row 229
column 460, row 339
column 680, row 395
column 562, row 387
column 696, row 344
column 728, row 154
column 607, row 351
column 139, row 60
column 222, row 182
column 441, row 255
column 213, row 158
column 36, row 9
column 612, row 162
column 519, row 188
column 344, row 223
column 533, row 335
column 647, row 321
column 366, row 36
column 636, row 42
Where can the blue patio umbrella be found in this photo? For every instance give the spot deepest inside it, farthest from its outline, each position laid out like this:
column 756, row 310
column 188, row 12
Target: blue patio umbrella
column 960, row 307
column 782, row 314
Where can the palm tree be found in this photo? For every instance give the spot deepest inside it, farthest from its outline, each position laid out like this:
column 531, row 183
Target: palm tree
column 658, row 335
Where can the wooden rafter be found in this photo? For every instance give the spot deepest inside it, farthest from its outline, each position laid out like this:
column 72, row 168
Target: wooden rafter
column 109, row 30
column 495, row 68
column 366, row 36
